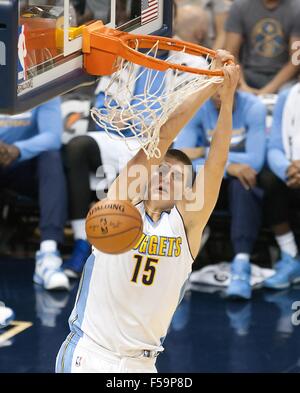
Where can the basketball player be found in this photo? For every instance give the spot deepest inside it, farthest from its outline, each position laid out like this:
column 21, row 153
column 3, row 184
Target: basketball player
column 85, row 153
column 125, row 302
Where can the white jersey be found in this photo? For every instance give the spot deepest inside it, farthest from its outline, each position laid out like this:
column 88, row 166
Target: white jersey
column 125, row 302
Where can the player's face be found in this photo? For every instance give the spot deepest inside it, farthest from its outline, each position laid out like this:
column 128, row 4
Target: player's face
column 167, row 183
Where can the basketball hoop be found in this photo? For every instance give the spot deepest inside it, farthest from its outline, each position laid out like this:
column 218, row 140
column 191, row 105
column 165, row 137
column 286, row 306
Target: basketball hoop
column 166, row 82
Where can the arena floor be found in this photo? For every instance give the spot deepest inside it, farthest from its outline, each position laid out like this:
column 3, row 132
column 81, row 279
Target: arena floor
column 208, row 333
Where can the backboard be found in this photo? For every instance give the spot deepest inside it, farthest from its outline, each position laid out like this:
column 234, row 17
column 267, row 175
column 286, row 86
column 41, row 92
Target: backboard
column 41, row 41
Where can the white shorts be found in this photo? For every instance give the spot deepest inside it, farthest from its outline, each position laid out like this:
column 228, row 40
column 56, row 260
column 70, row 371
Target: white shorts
column 80, row 356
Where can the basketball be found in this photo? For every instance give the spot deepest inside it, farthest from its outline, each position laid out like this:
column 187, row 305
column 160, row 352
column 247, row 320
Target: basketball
column 113, row 227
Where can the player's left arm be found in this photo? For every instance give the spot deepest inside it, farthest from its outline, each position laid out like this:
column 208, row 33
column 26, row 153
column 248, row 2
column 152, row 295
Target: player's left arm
column 196, row 211
column 120, row 189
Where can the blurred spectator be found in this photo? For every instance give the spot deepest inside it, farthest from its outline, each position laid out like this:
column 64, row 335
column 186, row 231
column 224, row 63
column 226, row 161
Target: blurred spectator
column 79, row 6
column 191, row 24
column 246, row 158
column 101, row 10
column 261, row 34
column 94, row 9
column 216, row 15
column 37, row 6
column 30, row 163
column 282, row 185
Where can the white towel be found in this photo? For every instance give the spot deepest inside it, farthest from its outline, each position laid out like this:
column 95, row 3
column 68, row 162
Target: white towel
column 219, row 275
column 291, row 124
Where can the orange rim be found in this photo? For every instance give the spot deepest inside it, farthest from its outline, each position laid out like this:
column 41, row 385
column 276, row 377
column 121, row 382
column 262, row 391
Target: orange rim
column 102, row 46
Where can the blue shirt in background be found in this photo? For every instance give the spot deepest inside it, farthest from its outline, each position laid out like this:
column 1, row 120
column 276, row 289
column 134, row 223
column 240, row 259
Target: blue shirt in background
column 277, row 160
column 155, row 90
column 35, row 131
column 248, row 142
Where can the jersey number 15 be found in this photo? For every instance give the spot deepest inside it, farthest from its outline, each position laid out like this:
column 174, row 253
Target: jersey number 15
column 149, row 269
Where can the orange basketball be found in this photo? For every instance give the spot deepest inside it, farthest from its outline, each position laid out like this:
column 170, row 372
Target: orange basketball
column 113, row 227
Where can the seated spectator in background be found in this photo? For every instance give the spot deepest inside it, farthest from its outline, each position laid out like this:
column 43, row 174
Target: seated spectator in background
column 79, row 6
column 246, row 158
column 216, row 13
column 282, row 184
column 36, row 6
column 30, row 163
column 261, row 34
column 85, row 154
column 97, row 9
column 191, row 24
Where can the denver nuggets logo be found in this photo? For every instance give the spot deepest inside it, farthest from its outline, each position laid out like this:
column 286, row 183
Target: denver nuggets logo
column 268, row 38
column 159, row 245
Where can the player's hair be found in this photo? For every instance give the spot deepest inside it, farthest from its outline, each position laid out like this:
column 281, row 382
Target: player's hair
column 182, row 157
column 179, row 155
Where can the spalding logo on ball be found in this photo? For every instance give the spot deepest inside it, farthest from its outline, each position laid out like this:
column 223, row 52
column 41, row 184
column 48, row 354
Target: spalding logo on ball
column 113, row 227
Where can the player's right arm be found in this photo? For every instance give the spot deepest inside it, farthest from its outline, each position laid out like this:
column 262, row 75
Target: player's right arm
column 138, row 169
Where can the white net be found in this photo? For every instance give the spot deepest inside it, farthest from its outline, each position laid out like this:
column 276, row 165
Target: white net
column 138, row 101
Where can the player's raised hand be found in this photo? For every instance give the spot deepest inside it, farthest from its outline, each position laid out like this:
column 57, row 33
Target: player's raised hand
column 232, row 73
column 222, row 57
